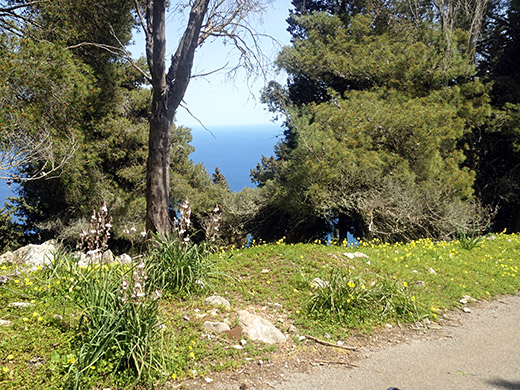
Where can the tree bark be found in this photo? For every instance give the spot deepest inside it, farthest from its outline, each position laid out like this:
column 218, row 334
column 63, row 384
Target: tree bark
column 168, row 92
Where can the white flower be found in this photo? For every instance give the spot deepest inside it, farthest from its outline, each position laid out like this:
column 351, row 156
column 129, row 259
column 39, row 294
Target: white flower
column 133, row 229
column 108, row 225
column 104, row 208
column 143, row 233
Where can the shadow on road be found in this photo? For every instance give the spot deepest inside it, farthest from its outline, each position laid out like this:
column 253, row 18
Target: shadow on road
column 502, row 383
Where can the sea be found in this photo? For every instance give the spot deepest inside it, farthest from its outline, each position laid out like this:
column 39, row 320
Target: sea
column 235, row 150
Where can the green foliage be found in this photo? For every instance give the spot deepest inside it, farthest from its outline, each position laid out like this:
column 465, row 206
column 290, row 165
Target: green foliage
column 373, row 144
column 11, row 233
column 469, row 240
column 355, row 301
column 119, row 324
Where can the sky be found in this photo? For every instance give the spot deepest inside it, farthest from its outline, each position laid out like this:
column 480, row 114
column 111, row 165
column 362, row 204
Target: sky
column 217, row 100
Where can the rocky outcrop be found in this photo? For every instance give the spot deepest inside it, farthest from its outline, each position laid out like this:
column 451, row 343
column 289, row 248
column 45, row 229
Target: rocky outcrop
column 35, row 255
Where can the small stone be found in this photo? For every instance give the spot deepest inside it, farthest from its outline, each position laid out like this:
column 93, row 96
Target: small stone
column 277, row 306
column 243, row 342
column 260, row 362
column 265, row 271
column 238, row 346
column 20, row 305
column 292, row 329
column 4, row 279
column 421, row 283
column 216, row 300
column 5, row 323
column 258, row 328
column 415, row 271
column 389, row 326
column 301, row 338
column 57, row 317
column 124, row 259
column 467, row 298
column 326, row 335
column 208, row 380
column 432, row 271
column 361, row 255
column 349, row 255
column 186, row 318
column 340, row 343
column 466, row 310
column 218, row 327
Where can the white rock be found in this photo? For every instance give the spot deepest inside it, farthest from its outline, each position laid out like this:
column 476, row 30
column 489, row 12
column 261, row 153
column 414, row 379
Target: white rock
column 218, row 327
column 5, row 323
column 258, row 328
column 20, row 305
column 8, row 257
column 208, row 380
column 216, row 300
column 349, row 255
column 124, row 259
column 35, row 255
column 265, row 271
column 432, row 271
column 467, row 298
column 361, row 255
column 238, row 346
column 466, row 310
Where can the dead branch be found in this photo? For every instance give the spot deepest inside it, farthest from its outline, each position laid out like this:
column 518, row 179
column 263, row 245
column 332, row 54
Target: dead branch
column 326, row 343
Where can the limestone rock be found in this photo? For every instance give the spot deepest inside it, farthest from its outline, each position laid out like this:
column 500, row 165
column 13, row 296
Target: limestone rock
column 467, row 298
column 216, row 300
column 361, row 255
column 258, row 328
column 7, row 257
column 20, row 305
column 218, row 327
column 124, row 259
column 36, row 255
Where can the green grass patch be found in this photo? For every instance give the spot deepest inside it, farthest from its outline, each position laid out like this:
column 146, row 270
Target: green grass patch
column 84, row 322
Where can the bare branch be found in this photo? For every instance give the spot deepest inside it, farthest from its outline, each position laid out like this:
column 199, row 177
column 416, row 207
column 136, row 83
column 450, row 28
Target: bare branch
column 210, row 72
column 19, row 151
column 197, row 119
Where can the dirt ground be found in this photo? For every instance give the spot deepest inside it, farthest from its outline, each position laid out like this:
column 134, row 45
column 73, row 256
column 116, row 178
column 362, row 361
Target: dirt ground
column 477, row 350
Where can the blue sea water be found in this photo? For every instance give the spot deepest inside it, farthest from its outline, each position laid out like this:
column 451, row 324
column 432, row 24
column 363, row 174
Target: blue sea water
column 234, row 149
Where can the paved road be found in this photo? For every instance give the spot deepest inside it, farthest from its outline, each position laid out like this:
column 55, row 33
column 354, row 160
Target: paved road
column 483, row 353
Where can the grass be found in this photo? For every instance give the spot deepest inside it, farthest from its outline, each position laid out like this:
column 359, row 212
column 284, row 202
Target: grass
column 396, row 283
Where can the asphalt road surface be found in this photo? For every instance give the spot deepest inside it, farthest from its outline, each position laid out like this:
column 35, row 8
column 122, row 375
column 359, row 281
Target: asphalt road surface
column 483, row 353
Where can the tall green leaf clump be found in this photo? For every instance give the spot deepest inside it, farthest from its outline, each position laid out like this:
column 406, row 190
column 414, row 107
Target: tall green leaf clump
column 377, row 105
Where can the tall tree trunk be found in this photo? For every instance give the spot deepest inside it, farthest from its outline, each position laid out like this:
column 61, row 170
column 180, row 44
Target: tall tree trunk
column 158, row 171
column 168, row 92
